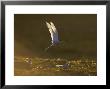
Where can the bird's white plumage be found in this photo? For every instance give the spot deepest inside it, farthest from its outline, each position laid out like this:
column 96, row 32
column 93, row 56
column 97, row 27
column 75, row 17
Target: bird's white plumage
column 53, row 27
column 53, row 32
column 48, row 25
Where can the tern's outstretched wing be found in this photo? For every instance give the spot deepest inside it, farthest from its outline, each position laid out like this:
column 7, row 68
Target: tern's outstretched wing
column 53, row 27
column 53, row 32
column 48, row 25
column 50, row 30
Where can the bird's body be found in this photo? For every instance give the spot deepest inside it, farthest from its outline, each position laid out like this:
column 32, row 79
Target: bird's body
column 54, row 34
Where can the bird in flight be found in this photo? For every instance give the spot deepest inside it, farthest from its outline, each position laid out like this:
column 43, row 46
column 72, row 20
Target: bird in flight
column 54, row 34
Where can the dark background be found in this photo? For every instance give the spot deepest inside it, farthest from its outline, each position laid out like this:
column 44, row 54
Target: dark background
column 77, row 31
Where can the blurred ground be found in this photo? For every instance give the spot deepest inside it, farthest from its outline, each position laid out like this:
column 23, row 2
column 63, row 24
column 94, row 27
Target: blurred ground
column 81, row 66
column 78, row 34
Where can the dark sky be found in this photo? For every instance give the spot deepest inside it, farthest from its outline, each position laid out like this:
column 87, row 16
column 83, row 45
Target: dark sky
column 78, row 31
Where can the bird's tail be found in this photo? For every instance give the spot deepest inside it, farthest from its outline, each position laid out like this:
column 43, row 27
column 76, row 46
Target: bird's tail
column 46, row 49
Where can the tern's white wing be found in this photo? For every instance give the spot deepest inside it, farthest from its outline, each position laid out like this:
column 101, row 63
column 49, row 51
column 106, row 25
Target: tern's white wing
column 50, row 30
column 53, row 27
column 53, row 32
column 48, row 25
